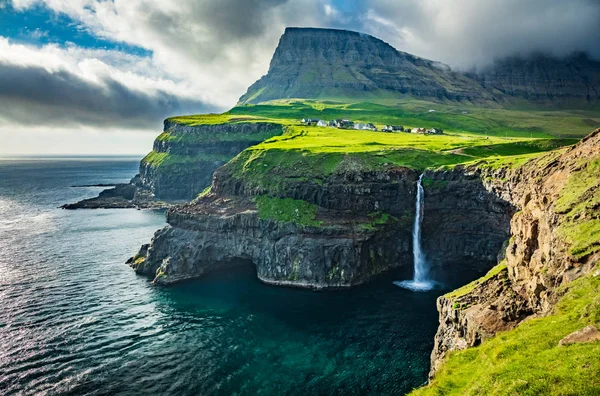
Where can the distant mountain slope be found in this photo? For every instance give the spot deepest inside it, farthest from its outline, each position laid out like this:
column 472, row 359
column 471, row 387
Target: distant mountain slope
column 311, row 63
column 327, row 63
column 544, row 78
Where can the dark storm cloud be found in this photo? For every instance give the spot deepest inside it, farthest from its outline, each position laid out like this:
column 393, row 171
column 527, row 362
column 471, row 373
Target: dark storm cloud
column 221, row 47
column 33, row 96
column 474, row 32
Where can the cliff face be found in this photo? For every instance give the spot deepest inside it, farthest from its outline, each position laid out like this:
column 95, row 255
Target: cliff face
column 464, row 223
column 362, row 226
column 328, row 63
column 555, row 239
column 184, row 157
column 344, row 245
column 544, row 78
column 181, row 164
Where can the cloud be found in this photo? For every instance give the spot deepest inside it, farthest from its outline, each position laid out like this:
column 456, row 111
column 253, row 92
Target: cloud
column 53, row 86
column 203, row 54
column 466, row 33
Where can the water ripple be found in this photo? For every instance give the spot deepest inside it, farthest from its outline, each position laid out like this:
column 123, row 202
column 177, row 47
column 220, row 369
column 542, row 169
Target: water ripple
column 75, row 320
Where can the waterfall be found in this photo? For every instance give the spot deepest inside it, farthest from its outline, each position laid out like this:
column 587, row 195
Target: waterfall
column 421, row 272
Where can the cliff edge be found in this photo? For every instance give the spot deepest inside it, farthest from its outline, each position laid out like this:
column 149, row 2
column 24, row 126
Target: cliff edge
column 555, row 240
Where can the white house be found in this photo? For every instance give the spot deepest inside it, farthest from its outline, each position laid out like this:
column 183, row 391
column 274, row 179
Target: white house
column 322, row 123
column 359, row 126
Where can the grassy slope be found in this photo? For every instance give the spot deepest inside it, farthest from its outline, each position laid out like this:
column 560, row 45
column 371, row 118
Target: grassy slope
column 509, row 132
column 311, row 153
column 304, row 154
column 413, row 113
column 528, row 360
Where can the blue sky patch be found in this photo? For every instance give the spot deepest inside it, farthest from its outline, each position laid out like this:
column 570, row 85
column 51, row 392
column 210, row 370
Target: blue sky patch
column 38, row 25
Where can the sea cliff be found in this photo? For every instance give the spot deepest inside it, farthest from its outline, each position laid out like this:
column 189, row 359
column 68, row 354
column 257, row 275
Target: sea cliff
column 554, row 240
column 182, row 161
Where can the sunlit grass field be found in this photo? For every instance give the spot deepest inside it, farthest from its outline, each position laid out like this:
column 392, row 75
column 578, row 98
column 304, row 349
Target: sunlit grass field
column 525, row 122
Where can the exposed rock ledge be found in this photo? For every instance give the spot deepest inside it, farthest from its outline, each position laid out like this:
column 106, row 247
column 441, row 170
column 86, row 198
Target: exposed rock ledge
column 224, row 229
column 539, row 258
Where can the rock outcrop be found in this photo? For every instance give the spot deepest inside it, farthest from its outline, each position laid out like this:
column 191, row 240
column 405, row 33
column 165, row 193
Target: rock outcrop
column 345, row 246
column 362, row 227
column 553, row 242
column 181, row 164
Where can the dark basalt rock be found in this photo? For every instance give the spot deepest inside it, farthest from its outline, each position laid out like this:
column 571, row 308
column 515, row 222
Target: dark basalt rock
column 224, row 227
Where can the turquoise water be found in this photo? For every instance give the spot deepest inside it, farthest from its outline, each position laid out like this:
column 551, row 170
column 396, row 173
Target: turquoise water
column 75, row 320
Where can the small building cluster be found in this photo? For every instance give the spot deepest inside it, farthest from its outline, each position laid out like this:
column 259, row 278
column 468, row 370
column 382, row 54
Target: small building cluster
column 348, row 124
column 341, row 124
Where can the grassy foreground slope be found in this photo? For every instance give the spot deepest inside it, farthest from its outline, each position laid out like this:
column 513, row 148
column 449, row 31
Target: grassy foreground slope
column 528, row 359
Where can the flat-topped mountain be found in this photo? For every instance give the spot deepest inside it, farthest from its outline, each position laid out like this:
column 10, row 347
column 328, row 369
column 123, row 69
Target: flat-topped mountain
column 313, row 63
column 328, row 63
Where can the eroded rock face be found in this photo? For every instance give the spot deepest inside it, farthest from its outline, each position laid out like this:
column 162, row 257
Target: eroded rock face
column 283, row 253
column 463, row 222
column 538, row 258
column 207, row 147
column 190, row 156
column 224, row 228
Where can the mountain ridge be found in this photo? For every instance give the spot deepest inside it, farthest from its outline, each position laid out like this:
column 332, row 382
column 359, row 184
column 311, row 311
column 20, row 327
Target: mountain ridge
column 320, row 63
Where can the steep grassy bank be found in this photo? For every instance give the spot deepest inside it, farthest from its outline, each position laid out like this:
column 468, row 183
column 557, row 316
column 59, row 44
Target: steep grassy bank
column 550, row 276
column 528, row 360
column 312, row 154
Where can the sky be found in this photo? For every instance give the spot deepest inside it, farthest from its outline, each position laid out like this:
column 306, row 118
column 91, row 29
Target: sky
column 99, row 76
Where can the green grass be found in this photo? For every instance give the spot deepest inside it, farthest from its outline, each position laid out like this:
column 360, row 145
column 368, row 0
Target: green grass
column 525, row 123
column 468, row 288
column 287, row 210
column 165, row 159
column 579, row 201
column 312, row 154
column 528, row 360
column 377, row 219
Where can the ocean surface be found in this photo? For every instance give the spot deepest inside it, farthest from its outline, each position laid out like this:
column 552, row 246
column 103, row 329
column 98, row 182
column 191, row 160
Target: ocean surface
column 74, row 319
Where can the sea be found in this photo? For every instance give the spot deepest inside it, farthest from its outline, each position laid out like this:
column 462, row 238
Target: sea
column 75, row 320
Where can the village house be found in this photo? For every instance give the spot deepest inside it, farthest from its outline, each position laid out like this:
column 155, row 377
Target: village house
column 345, row 124
column 419, row 130
column 435, row 131
column 322, row 123
column 310, row 121
column 393, row 128
column 370, row 127
column 359, row 126
column 331, row 124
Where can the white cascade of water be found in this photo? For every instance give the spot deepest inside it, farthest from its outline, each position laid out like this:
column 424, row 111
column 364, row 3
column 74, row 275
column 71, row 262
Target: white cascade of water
column 420, row 280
